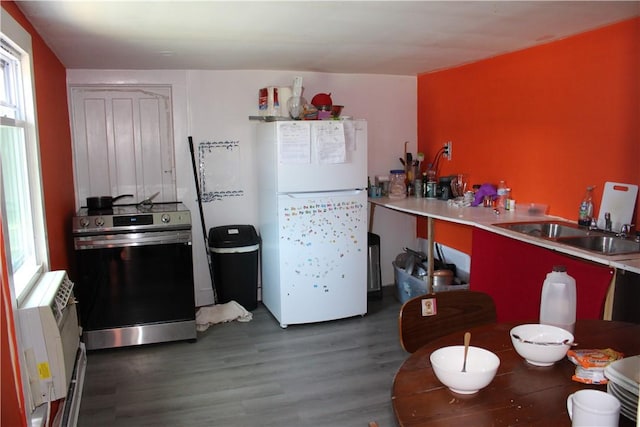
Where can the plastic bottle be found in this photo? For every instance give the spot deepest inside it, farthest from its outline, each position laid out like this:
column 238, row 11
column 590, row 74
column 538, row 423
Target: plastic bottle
column 502, row 194
column 424, row 184
column 585, row 214
column 558, row 302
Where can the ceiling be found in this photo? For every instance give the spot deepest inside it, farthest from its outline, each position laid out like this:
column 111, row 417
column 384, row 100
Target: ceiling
column 366, row 37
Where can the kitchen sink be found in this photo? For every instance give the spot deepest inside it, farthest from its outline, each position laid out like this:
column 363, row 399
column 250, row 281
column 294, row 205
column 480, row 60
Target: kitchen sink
column 607, row 245
column 571, row 234
column 546, row 229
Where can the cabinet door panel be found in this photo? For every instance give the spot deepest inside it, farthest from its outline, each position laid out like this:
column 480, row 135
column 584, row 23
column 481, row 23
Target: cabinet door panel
column 90, row 157
column 123, row 142
column 124, row 157
column 512, row 272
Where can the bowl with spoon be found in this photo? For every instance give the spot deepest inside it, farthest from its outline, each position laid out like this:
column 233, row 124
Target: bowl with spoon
column 464, row 369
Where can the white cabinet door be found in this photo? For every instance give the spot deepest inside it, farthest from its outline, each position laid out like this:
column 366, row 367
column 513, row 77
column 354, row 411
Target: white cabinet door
column 123, row 142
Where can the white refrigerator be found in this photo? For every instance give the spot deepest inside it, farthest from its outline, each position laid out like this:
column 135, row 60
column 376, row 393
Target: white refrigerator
column 313, row 219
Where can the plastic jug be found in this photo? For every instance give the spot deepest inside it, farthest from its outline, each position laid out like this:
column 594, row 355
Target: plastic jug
column 558, row 302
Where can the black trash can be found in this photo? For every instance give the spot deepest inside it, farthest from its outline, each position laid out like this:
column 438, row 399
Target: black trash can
column 234, row 255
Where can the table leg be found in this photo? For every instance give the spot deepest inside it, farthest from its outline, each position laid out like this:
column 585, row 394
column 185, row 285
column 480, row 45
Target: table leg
column 430, row 246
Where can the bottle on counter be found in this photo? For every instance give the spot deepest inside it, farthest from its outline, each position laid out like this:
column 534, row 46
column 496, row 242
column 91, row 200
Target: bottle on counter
column 558, row 301
column 424, row 184
column 585, row 213
column 502, row 195
column 509, row 203
column 432, row 185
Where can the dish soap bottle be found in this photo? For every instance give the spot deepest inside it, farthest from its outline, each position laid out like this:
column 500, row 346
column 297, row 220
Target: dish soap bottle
column 585, row 213
column 558, row 302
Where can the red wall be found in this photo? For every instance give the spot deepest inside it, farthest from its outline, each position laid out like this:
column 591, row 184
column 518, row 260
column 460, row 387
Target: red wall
column 11, row 412
column 550, row 120
column 57, row 176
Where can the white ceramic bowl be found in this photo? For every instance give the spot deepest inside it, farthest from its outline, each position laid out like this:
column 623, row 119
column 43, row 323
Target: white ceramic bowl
column 539, row 354
column 481, row 368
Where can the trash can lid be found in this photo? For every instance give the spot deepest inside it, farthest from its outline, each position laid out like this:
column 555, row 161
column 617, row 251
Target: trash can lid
column 232, row 236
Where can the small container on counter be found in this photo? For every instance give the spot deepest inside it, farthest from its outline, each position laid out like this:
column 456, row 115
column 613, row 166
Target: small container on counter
column 410, row 191
column 432, row 190
column 468, row 197
column 382, row 181
column 375, row 191
column 417, row 188
column 397, row 187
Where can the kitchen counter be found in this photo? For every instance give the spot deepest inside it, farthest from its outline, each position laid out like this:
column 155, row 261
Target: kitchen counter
column 486, row 218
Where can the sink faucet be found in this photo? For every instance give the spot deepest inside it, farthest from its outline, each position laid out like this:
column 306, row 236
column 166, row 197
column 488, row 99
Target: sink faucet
column 607, row 221
column 625, row 230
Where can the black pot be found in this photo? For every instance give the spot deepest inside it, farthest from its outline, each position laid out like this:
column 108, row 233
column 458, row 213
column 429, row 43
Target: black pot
column 103, row 202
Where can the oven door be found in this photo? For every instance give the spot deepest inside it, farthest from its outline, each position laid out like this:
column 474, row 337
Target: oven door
column 135, row 279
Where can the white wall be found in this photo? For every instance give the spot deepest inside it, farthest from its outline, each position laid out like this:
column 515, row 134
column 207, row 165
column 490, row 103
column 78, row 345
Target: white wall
column 215, row 106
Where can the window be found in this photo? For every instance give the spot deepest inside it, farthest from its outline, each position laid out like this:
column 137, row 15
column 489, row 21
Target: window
column 10, row 90
column 21, row 190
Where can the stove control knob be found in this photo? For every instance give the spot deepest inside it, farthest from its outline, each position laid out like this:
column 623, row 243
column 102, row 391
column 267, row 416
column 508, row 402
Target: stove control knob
column 84, row 222
column 99, row 221
column 165, row 218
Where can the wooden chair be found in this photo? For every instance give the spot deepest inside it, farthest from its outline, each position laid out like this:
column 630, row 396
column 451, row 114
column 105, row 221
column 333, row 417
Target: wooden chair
column 427, row 317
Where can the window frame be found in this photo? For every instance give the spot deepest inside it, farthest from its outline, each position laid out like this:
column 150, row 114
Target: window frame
column 19, row 40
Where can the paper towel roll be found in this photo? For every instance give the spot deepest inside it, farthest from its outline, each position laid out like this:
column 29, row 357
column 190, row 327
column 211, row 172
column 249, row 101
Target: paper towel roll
column 272, row 93
column 284, row 93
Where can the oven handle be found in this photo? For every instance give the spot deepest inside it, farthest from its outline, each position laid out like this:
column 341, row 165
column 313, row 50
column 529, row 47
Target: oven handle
column 132, row 239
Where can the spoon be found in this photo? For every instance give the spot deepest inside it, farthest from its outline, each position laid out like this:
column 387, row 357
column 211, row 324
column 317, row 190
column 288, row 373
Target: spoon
column 467, row 339
column 565, row 342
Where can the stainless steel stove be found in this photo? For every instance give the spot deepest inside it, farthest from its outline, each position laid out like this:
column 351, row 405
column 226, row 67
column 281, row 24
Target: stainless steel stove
column 135, row 217
column 135, row 269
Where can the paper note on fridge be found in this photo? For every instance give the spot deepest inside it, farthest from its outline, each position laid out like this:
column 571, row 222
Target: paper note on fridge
column 329, row 142
column 295, row 143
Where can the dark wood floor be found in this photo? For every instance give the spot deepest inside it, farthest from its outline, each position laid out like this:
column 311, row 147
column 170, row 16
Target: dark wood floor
column 335, row 373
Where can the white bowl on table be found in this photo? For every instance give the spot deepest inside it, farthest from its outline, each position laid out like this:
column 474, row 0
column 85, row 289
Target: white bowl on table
column 482, row 366
column 541, row 345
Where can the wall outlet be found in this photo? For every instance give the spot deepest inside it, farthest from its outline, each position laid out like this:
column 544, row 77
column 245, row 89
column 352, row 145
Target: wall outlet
column 448, row 146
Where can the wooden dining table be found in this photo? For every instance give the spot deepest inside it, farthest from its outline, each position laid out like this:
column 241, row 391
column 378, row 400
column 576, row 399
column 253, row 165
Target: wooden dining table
column 520, row 393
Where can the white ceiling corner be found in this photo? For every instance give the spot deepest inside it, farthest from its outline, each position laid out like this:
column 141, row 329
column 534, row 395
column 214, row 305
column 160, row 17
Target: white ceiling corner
column 368, row 37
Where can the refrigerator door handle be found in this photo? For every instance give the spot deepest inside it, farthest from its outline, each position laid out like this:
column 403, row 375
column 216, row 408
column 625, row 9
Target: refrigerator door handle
column 325, row 194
